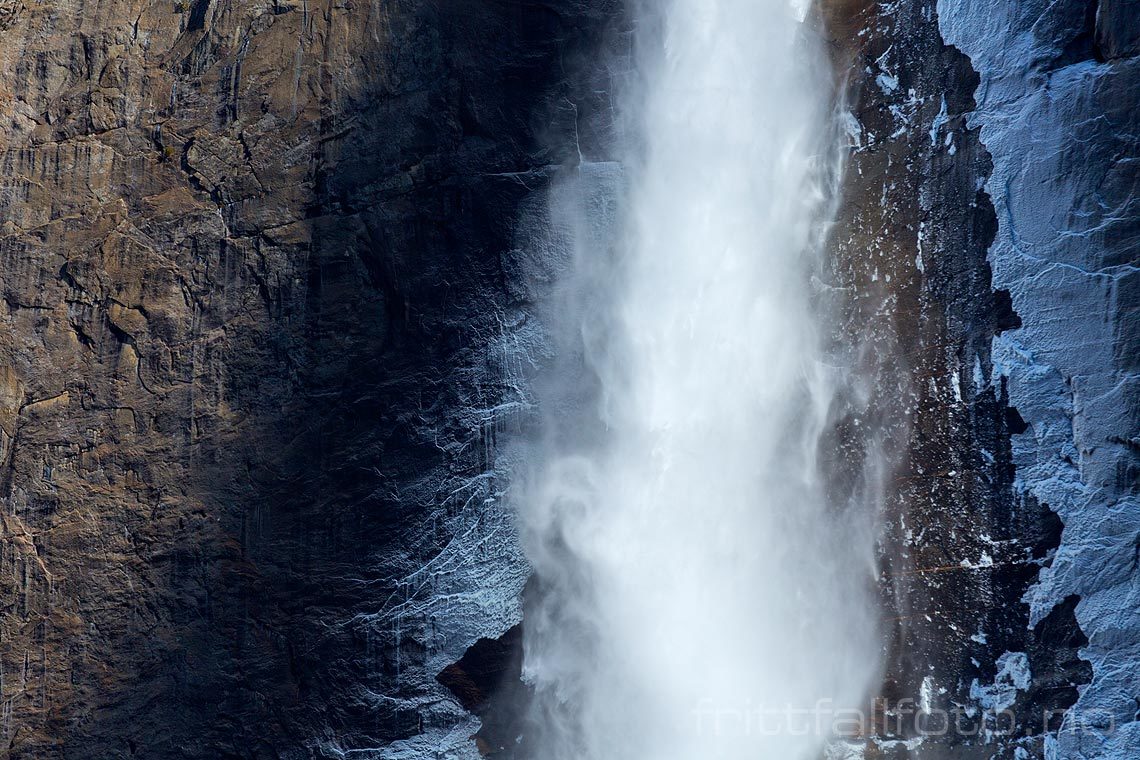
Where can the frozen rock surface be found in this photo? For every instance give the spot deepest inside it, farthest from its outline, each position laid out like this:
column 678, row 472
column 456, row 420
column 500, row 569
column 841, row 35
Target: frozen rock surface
column 1057, row 107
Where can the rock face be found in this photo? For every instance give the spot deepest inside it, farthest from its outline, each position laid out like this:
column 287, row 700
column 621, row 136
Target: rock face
column 958, row 551
column 260, row 321
column 1116, row 33
column 1064, row 132
column 250, row 261
column 992, row 196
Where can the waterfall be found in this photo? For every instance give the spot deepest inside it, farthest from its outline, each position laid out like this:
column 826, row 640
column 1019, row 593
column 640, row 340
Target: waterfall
column 698, row 591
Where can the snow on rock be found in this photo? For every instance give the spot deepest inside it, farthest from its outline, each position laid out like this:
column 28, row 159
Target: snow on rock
column 1063, row 129
column 1013, row 676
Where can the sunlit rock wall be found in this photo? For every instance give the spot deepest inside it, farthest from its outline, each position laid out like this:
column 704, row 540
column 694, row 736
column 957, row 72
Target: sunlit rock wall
column 252, row 365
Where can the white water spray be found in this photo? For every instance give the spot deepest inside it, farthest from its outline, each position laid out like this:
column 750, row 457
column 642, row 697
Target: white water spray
column 697, row 596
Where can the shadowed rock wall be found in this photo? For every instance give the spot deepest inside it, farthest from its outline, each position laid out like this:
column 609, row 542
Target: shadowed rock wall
column 989, row 222
column 260, row 321
column 250, row 273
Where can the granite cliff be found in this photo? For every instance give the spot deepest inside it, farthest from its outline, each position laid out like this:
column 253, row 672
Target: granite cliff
column 263, row 322
column 990, row 223
column 250, row 262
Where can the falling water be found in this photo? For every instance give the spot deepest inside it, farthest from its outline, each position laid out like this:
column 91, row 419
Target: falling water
column 697, row 593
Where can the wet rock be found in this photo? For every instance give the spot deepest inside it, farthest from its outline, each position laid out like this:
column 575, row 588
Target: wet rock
column 970, row 224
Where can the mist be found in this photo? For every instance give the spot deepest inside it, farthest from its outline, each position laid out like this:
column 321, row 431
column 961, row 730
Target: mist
column 699, row 590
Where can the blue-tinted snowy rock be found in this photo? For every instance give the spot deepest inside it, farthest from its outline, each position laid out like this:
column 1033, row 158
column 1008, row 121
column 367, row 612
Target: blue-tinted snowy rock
column 1063, row 130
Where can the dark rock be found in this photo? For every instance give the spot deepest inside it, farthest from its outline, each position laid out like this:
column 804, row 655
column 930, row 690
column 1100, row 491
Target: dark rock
column 1117, row 29
column 250, row 266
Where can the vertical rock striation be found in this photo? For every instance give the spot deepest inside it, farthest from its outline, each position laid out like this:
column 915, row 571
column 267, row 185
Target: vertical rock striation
column 924, row 236
column 1057, row 109
column 262, row 313
column 251, row 272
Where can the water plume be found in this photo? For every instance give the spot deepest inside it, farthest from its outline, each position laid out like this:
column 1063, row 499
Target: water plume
column 700, row 591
